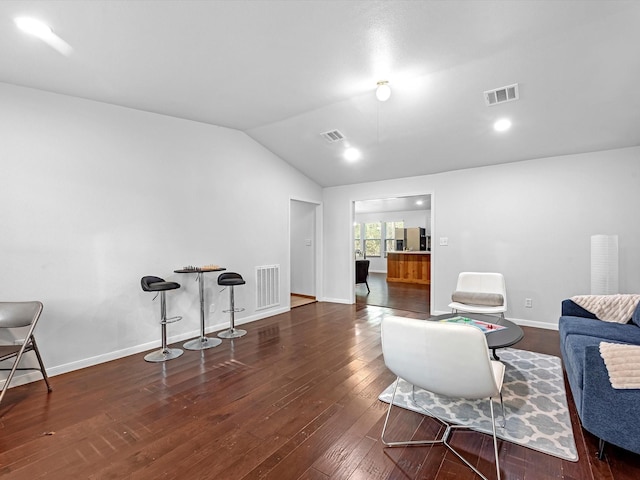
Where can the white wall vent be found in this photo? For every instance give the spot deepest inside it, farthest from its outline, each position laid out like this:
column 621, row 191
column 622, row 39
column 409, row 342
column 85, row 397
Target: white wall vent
column 501, row 95
column 267, row 286
column 332, row 136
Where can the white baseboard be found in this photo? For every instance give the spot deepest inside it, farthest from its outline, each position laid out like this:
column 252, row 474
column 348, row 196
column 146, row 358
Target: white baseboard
column 336, row 300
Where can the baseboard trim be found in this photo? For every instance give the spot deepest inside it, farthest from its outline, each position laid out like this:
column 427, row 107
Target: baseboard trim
column 312, row 297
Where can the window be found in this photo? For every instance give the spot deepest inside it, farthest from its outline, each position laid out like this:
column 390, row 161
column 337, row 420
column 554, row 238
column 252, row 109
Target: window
column 372, row 239
column 390, row 235
column 357, row 238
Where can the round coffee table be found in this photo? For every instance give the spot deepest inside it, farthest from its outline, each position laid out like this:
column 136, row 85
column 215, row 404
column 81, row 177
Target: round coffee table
column 500, row 338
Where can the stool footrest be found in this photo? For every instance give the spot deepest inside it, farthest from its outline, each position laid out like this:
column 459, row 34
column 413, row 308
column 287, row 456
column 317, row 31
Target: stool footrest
column 171, row 320
column 235, row 310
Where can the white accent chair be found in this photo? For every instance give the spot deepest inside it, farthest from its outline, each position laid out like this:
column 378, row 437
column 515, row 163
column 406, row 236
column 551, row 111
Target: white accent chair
column 445, row 359
column 480, row 292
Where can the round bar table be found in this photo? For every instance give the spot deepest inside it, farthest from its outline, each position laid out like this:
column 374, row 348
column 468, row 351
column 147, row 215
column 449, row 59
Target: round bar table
column 203, row 342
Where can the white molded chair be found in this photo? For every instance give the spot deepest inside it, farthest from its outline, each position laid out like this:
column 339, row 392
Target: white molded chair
column 446, row 359
column 479, row 292
column 20, row 315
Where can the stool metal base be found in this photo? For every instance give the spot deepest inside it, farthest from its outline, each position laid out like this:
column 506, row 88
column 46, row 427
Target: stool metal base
column 202, row 343
column 232, row 333
column 163, row 355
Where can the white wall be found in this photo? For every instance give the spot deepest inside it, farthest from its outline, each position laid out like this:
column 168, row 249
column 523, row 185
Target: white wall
column 303, row 244
column 412, row 218
column 530, row 220
column 94, row 196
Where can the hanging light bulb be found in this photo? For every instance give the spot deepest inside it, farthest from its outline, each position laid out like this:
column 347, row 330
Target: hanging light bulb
column 383, row 92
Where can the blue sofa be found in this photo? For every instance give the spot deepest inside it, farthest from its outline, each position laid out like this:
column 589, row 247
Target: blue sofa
column 608, row 413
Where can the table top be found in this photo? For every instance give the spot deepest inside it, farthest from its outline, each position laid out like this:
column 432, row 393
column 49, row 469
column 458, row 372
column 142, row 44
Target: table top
column 498, row 339
column 206, row 268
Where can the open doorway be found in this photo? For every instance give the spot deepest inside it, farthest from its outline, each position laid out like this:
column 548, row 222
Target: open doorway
column 303, row 256
column 383, row 231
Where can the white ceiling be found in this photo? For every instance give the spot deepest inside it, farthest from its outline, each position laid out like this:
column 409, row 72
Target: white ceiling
column 285, row 71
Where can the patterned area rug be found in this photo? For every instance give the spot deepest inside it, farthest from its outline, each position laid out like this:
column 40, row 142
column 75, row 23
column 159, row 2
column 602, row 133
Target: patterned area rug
column 535, row 404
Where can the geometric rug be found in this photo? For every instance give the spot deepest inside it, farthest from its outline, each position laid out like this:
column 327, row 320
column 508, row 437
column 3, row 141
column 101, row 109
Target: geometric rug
column 535, row 404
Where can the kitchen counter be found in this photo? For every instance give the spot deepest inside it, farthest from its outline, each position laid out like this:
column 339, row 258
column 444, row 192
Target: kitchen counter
column 411, row 252
column 409, row 267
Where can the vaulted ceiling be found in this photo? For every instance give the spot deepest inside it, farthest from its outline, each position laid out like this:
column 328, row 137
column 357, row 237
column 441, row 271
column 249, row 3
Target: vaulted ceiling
column 286, row 71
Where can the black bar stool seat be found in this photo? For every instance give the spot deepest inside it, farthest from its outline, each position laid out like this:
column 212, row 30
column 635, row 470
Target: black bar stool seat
column 157, row 284
column 231, row 279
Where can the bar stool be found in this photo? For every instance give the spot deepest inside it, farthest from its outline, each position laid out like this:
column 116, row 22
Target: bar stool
column 157, row 284
column 231, row 279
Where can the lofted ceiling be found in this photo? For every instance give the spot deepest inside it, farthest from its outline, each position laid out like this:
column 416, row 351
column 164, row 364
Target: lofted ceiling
column 286, row 71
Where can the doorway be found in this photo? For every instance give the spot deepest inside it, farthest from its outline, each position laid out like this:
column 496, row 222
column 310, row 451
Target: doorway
column 303, row 252
column 375, row 224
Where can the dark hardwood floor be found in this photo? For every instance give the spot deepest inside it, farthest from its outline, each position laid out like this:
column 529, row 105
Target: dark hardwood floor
column 296, row 398
column 403, row 296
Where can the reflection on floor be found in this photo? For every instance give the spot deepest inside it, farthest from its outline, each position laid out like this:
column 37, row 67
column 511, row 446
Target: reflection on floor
column 404, row 296
column 299, row 300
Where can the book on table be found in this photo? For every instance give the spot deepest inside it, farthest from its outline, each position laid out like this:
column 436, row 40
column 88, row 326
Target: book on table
column 486, row 327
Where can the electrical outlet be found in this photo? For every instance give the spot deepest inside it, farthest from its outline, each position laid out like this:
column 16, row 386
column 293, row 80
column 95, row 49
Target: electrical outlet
column 444, row 241
column 528, row 303
column 212, row 308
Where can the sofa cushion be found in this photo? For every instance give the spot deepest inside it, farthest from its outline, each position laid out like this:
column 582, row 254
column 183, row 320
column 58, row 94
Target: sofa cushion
column 478, row 298
column 605, row 331
column 635, row 318
column 572, row 309
column 574, row 355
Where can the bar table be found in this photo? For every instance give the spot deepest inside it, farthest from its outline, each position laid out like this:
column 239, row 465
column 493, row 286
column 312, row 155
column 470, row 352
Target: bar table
column 203, row 342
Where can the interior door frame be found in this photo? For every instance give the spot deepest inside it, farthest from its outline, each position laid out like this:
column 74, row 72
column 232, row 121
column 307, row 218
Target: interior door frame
column 317, row 263
column 352, row 268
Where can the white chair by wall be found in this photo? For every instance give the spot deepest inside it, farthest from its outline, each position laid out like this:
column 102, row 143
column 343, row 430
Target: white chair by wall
column 480, row 292
column 446, row 359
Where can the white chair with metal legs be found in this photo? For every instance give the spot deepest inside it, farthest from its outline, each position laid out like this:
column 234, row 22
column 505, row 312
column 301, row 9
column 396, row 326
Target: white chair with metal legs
column 231, row 279
column 159, row 285
column 480, row 292
column 446, row 359
column 19, row 315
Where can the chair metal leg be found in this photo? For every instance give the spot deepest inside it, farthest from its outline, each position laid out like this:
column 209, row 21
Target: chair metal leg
column 445, row 437
column 504, row 418
column 41, row 363
column 165, row 353
column 601, row 445
column 495, row 439
column 232, row 332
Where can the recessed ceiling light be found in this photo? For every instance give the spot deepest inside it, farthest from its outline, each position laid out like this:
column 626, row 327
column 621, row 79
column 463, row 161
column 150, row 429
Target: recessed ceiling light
column 419, row 202
column 502, row 125
column 352, row 154
column 33, row 27
column 383, row 91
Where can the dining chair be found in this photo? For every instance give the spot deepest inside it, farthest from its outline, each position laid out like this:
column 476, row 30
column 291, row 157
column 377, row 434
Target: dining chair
column 480, row 292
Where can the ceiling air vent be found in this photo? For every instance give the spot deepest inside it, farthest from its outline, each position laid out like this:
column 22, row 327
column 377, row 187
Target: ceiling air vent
column 501, row 95
column 332, row 136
